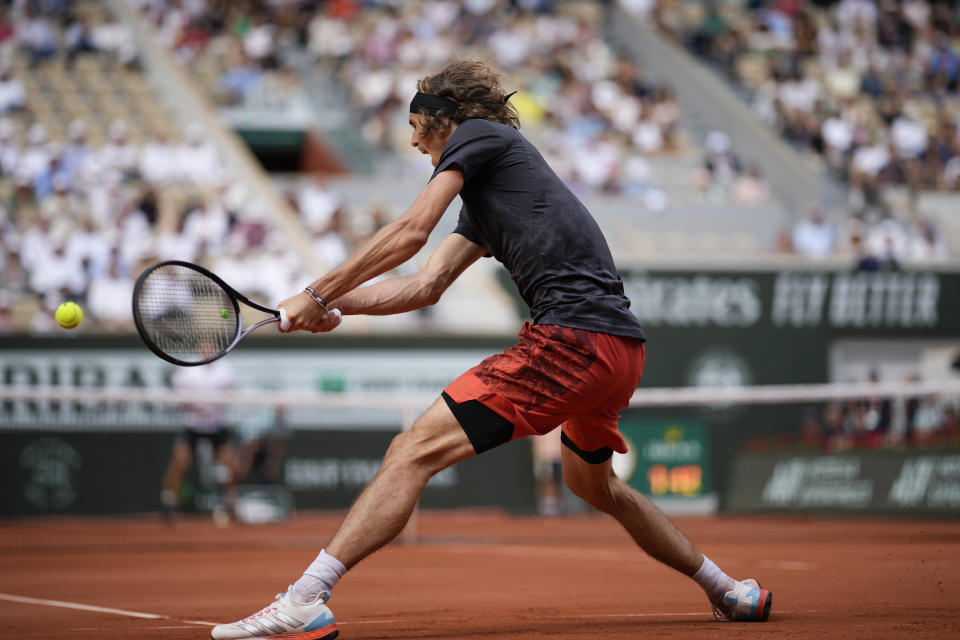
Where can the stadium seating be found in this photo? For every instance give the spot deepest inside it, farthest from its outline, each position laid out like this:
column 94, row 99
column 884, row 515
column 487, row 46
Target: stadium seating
column 137, row 180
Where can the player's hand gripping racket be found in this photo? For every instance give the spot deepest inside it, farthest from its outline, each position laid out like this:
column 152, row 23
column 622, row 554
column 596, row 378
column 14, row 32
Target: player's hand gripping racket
column 188, row 316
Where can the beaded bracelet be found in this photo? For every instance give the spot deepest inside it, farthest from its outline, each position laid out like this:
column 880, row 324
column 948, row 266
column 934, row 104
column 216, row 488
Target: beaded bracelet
column 316, row 297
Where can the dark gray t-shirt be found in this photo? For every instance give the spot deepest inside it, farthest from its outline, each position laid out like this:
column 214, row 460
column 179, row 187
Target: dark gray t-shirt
column 516, row 208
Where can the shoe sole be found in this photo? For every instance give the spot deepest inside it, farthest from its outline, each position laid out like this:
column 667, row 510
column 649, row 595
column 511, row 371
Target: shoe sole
column 763, row 611
column 329, row 632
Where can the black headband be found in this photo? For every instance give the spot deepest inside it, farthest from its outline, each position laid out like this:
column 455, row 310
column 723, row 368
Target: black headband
column 432, row 105
column 437, row 106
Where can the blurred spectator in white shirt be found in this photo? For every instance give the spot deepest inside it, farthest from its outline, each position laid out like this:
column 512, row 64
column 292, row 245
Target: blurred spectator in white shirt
column 813, row 236
column 177, row 244
column 59, row 274
column 909, row 137
column 159, row 160
column 36, row 155
column 90, row 247
column 316, row 204
column 36, row 244
column 36, row 36
column 207, row 223
column 116, row 40
column 119, row 154
column 9, row 147
column 259, row 42
column 887, row 241
column 13, row 96
column 197, row 159
column 924, row 244
column 108, row 299
column 77, row 150
column 135, row 239
column 332, row 243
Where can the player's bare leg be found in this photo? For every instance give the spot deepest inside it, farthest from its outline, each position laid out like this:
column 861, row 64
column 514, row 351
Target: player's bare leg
column 226, row 511
column 435, row 442
column 600, row 487
column 180, row 460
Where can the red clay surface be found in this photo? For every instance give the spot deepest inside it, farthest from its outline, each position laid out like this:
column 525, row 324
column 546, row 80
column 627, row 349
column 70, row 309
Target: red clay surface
column 483, row 575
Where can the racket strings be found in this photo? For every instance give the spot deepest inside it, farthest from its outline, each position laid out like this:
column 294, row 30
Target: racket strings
column 185, row 314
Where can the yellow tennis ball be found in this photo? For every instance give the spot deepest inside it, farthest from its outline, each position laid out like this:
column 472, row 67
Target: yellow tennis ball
column 69, row 315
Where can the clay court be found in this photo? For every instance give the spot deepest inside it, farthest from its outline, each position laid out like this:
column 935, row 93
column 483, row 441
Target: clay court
column 480, row 575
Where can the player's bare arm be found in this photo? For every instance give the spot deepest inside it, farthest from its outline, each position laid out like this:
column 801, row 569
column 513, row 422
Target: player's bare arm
column 406, row 293
column 390, row 247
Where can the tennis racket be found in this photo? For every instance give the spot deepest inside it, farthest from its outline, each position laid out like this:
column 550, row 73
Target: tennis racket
column 189, row 316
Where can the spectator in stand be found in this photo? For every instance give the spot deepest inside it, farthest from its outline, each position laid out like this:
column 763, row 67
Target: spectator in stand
column 115, row 41
column 89, row 247
column 36, row 36
column 259, row 41
column 721, row 166
column 813, row 236
column 36, row 155
column 750, row 188
column 109, row 295
column 924, row 243
column 120, row 155
column 240, row 77
column 78, row 39
column 887, row 241
column 198, row 159
column 332, row 243
column 208, row 223
column 159, row 160
column 316, row 203
column 76, row 152
column 6, row 311
column 13, row 95
column 9, row 148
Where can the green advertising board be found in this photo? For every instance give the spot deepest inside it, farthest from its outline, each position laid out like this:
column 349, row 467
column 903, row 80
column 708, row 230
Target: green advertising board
column 670, row 461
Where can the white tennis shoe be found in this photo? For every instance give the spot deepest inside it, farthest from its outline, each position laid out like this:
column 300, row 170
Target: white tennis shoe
column 746, row 602
column 284, row 619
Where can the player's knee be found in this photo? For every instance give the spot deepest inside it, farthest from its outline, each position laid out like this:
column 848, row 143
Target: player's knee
column 408, row 450
column 594, row 490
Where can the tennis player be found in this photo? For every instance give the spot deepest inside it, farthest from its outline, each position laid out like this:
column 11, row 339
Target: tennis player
column 575, row 366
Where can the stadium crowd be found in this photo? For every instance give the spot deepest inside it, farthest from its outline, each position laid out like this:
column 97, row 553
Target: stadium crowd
column 869, row 423
column 85, row 207
column 594, row 111
column 82, row 212
column 870, row 87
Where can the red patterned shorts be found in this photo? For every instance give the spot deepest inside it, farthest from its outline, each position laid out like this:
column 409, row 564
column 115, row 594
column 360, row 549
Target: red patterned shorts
column 578, row 379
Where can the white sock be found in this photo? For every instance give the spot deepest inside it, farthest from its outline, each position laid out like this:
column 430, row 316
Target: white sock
column 714, row 581
column 322, row 574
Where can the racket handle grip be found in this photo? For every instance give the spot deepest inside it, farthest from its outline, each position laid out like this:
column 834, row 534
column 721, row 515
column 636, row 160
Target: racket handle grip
column 284, row 320
column 336, row 315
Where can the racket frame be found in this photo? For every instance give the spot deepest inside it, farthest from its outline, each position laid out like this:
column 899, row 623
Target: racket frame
column 235, row 297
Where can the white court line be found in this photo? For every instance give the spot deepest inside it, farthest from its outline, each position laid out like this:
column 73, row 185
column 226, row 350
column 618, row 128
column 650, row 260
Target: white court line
column 84, row 607
column 136, row 614
column 179, row 626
